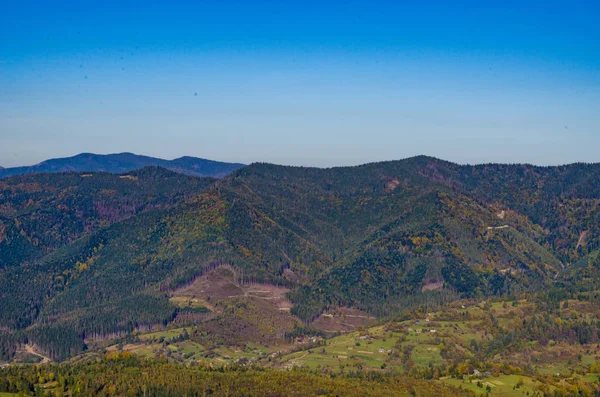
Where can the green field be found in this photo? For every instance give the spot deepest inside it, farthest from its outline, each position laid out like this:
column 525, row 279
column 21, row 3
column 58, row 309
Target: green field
column 424, row 346
column 167, row 345
column 503, row 385
column 170, row 333
column 382, row 346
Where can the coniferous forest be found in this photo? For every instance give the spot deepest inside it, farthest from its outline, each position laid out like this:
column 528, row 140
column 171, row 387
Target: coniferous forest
column 153, row 282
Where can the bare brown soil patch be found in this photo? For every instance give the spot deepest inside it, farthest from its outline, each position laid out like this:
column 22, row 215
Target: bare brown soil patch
column 217, row 285
column 392, row 185
column 343, row 319
column 30, row 349
column 221, row 284
column 432, row 286
column 247, row 319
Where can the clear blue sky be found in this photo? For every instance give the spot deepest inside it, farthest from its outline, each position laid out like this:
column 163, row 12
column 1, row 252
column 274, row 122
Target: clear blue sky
column 302, row 82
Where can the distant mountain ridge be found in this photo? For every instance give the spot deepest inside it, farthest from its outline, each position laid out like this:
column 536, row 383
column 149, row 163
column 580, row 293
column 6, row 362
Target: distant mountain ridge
column 125, row 162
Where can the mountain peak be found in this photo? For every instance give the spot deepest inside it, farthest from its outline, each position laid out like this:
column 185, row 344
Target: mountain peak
column 119, row 163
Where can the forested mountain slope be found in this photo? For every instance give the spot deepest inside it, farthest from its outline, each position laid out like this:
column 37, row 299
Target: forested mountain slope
column 42, row 212
column 90, row 256
column 379, row 221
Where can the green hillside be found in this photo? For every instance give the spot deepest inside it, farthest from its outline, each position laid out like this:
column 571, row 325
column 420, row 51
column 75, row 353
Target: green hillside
column 89, row 257
column 42, row 212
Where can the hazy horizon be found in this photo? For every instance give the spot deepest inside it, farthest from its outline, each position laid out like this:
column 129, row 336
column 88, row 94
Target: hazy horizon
column 302, row 165
column 302, row 83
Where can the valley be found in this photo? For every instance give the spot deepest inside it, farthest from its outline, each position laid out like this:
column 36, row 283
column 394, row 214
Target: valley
column 480, row 278
column 492, row 347
column 461, row 345
column 300, row 199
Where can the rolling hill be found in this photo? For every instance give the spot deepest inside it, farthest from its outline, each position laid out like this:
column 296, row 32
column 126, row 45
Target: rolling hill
column 87, row 257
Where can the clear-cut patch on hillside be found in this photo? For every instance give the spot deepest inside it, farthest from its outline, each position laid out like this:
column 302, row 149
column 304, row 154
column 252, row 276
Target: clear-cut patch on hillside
column 432, row 286
column 343, row 319
column 221, row 284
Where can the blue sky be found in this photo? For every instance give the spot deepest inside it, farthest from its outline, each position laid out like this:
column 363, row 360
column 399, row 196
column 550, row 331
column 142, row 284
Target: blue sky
column 306, row 83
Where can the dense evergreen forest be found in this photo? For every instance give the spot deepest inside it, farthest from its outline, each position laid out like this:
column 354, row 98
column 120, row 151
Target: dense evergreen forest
column 89, row 256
